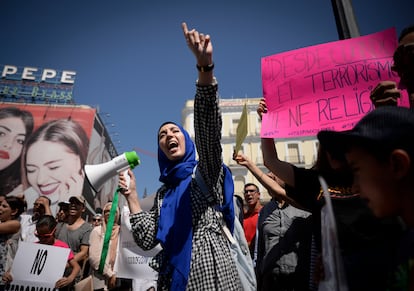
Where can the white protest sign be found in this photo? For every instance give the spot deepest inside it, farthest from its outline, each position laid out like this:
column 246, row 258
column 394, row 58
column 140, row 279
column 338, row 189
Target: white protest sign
column 36, row 263
column 132, row 261
column 23, row 285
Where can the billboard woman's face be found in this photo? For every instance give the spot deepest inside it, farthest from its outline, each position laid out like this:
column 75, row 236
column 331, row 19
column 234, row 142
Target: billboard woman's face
column 52, row 169
column 12, row 137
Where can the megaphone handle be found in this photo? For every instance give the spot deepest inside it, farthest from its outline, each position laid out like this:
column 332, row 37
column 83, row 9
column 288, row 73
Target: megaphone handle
column 127, row 178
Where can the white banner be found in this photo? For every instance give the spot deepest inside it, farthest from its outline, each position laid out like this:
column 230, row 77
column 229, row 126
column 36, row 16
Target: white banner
column 38, row 265
column 132, row 261
column 22, row 285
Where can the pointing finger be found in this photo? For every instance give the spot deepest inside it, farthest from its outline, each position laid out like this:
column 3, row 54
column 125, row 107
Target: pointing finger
column 184, row 27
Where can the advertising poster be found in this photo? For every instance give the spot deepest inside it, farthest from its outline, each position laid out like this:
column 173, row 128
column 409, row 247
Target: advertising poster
column 101, row 150
column 43, row 150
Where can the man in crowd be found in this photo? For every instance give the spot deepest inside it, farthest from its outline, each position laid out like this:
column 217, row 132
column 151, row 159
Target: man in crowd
column 62, row 216
column 252, row 201
column 97, row 220
column 41, row 207
column 77, row 231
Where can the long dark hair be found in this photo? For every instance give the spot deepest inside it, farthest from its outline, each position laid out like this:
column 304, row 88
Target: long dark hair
column 10, row 177
column 16, row 203
column 62, row 131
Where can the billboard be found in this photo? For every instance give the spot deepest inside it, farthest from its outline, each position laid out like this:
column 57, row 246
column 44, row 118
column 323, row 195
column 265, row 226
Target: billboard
column 101, row 150
column 36, row 85
column 43, row 151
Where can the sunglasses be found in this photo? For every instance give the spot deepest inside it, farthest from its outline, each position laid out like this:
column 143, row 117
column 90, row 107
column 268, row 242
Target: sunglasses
column 96, row 219
column 45, row 235
column 250, row 191
column 402, row 55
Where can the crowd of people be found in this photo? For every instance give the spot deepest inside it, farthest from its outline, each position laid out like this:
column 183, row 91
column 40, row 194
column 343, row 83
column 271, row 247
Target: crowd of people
column 368, row 170
column 285, row 236
column 66, row 229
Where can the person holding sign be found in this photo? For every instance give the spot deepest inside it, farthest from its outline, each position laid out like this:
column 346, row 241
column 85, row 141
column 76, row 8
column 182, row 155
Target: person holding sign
column 283, row 236
column 366, row 242
column 45, row 232
column 387, row 92
column 186, row 220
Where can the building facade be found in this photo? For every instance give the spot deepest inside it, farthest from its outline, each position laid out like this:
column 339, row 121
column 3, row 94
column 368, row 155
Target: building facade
column 301, row 151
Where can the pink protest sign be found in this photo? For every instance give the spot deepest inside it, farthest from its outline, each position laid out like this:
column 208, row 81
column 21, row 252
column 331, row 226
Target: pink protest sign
column 325, row 86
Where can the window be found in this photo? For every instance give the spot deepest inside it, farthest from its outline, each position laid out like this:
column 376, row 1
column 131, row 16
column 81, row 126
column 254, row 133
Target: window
column 234, row 125
column 293, row 154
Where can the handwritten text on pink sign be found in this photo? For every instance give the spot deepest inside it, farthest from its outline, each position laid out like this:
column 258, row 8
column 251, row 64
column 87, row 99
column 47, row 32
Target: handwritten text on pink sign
column 325, row 86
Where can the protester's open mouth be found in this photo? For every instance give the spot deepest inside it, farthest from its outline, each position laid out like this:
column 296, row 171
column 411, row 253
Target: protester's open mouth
column 172, row 145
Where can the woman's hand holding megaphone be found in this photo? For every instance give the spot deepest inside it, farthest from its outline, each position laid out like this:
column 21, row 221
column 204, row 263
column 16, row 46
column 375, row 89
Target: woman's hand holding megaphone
column 125, row 183
column 129, row 192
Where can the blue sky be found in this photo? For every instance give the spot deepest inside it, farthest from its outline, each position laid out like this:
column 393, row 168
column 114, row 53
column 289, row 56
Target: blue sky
column 132, row 62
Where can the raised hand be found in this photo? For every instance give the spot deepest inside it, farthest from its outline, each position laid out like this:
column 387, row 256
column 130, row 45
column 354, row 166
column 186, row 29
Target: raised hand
column 130, row 193
column 242, row 160
column 261, row 108
column 125, row 186
column 385, row 93
column 199, row 44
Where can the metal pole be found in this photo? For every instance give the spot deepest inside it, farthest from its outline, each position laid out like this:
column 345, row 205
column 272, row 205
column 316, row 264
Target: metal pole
column 345, row 19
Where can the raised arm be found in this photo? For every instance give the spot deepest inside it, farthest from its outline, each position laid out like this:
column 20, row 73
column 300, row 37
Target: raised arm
column 45, row 203
column 10, row 226
column 207, row 116
column 274, row 188
column 202, row 49
column 282, row 169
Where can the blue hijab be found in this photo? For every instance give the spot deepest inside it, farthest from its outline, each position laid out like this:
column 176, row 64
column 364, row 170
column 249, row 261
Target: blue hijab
column 175, row 230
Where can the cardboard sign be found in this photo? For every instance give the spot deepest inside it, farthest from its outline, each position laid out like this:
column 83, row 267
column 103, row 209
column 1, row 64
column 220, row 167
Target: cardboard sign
column 325, row 86
column 38, row 265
